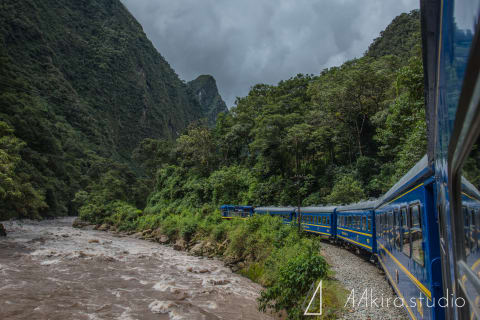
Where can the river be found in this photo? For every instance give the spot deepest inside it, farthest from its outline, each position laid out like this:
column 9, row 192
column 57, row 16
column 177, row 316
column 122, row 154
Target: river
column 49, row 270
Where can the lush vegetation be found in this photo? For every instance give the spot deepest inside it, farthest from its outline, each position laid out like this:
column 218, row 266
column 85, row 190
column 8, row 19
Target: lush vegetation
column 81, row 86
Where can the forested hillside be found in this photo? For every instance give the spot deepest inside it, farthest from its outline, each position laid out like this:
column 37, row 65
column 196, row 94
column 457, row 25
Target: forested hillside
column 345, row 135
column 80, row 87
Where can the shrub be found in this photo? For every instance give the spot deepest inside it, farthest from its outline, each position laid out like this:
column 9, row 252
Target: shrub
column 294, row 280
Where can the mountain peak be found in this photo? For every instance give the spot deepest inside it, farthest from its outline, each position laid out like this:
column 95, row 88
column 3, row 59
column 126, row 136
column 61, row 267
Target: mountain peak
column 205, row 90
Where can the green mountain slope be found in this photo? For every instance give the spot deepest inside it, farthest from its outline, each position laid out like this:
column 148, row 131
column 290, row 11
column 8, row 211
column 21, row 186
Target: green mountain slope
column 79, row 82
column 206, row 93
column 400, row 37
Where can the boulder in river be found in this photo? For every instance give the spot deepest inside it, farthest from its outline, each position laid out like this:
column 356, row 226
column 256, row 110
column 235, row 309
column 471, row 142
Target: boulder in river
column 197, row 249
column 77, row 223
column 180, row 245
column 3, row 231
column 104, row 227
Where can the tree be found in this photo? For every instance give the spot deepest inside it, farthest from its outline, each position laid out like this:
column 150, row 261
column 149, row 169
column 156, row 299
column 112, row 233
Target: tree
column 19, row 198
column 346, row 190
column 196, row 148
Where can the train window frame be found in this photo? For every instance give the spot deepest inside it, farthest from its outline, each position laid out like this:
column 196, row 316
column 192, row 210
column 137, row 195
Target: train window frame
column 397, row 229
column 473, row 231
column 477, row 224
column 381, row 224
column 466, row 230
column 420, row 261
column 406, row 218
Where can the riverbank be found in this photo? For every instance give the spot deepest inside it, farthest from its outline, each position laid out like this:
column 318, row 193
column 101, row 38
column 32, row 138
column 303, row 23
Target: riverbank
column 261, row 248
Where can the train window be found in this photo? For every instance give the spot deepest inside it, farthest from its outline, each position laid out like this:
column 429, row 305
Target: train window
column 404, row 219
column 391, row 228
column 328, row 220
column 381, row 224
column 380, row 219
column 466, row 230
column 323, row 220
column 417, row 235
column 364, row 223
column 473, row 231
column 369, row 224
column 397, row 230
column 358, row 222
column 477, row 224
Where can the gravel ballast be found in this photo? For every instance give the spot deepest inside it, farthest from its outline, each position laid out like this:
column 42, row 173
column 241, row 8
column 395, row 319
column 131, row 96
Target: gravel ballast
column 356, row 273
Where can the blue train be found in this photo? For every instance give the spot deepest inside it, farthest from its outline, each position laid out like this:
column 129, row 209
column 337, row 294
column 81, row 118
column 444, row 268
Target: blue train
column 425, row 231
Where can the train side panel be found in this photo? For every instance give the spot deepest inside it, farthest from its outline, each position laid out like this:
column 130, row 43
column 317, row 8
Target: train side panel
column 356, row 227
column 407, row 249
column 318, row 223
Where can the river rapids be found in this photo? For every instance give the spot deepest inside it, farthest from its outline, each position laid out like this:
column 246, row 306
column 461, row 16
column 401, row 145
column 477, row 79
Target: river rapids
column 49, row 270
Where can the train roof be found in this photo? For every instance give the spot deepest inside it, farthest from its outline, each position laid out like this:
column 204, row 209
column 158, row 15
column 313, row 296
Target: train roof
column 470, row 188
column 363, row 205
column 421, row 169
column 328, row 209
column 224, row 206
column 274, row 209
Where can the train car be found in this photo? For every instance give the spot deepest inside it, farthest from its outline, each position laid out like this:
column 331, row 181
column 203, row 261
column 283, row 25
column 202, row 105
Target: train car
column 407, row 241
column 234, row 211
column 318, row 220
column 451, row 51
column 356, row 226
column 471, row 226
column 287, row 213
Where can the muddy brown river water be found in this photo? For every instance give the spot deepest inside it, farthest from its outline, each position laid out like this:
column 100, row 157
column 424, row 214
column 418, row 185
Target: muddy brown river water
column 49, row 270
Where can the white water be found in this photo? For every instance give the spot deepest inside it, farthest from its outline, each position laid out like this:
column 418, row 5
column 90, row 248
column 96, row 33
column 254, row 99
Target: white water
column 49, row 270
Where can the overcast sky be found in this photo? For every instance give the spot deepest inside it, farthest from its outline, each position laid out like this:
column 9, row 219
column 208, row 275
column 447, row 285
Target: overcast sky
column 245, row 42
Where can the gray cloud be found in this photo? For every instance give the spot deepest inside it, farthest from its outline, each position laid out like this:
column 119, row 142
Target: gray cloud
column 244, row 42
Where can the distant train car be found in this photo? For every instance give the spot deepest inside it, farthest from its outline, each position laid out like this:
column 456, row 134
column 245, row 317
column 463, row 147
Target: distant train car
column 233, row 211
column 318, row 220
column 356, row 225
column 407, row 241
column 287, row 213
